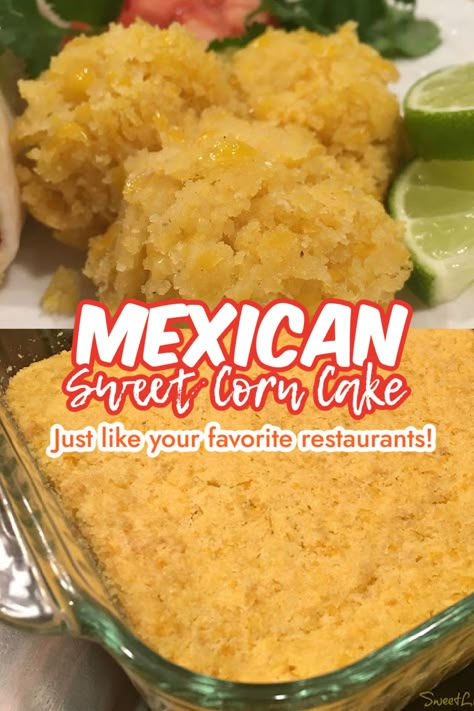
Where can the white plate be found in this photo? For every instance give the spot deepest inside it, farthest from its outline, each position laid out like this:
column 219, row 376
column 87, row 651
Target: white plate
column 40, row 255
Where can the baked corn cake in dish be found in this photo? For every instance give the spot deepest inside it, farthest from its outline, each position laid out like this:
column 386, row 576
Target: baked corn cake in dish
column 266, row 567
column 266, row 167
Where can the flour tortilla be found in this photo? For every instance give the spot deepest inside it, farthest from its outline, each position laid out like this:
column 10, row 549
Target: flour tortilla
column 11, row 214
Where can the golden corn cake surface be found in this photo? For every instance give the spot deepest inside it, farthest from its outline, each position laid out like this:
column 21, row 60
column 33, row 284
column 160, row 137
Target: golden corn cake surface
column 275, row 566
column 267, row 167
column 264, row 209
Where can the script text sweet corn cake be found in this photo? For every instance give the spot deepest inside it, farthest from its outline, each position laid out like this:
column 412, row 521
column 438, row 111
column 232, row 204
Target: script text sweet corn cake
column 264, row 209
column 108, row 101
column 275, row 566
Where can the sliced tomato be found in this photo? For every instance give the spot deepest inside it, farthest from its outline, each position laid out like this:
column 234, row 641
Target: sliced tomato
column 208, row 19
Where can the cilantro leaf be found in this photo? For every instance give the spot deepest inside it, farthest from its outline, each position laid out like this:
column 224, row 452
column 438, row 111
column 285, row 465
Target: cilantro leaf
column 292, row 15
column 388, row 25
column 35, row 39
column 28, row 34
column 253, row 30
column 417, row 38
column 92, row 12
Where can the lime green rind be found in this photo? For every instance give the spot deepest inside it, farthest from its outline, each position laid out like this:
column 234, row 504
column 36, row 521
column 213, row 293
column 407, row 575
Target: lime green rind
column 422, row 284
column 441, row 136
column 439, row 227
column 434, row 282
column 439, row 114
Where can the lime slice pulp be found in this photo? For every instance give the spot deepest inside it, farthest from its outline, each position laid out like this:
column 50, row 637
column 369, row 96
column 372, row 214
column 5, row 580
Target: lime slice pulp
column 435, row 199
column 439, row 114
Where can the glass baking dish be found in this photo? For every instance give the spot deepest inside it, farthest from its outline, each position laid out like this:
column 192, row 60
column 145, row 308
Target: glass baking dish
column 49, row 585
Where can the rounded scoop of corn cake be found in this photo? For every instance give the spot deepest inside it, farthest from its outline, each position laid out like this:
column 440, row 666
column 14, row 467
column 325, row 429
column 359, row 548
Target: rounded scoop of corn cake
column 102, row 99
column 246, row 210
column 334, row 85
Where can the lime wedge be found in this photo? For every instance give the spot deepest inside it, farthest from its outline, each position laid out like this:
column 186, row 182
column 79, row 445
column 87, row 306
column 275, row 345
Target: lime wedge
column 435, row 199
column 439, row 114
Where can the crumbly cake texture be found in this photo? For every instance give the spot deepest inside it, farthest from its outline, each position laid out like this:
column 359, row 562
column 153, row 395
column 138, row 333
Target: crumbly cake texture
column 63, row 293
column 334, row 85
column 269, row 567
column 281, row 220
column 144, row 105
column 102, row 99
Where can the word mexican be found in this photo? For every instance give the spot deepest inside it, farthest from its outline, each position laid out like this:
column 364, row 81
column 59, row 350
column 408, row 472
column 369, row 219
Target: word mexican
column 170, row 342
column 114, row 437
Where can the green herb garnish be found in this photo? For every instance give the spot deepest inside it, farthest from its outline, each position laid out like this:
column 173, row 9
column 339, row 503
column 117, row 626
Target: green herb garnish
column 388, row 25
column 31, row 36
column 96, row 13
